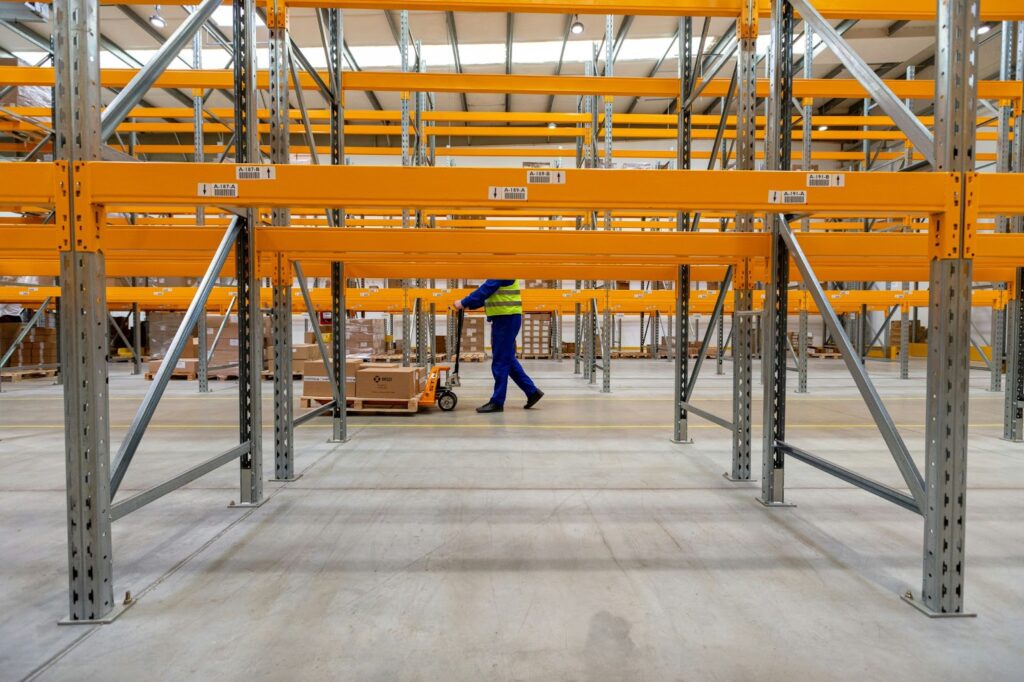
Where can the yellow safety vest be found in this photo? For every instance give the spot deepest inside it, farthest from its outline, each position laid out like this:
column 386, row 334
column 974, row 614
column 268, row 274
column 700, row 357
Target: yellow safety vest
column 507, row 300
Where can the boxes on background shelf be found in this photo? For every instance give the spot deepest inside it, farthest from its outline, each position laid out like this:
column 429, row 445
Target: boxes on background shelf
column 161, row 328
column 473, row 339
column 39, row 347
column 226, row 352
column 399, row 383
column 536, row 335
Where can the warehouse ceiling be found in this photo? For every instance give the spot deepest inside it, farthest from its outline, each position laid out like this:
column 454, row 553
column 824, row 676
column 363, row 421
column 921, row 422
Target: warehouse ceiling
column 648, row 48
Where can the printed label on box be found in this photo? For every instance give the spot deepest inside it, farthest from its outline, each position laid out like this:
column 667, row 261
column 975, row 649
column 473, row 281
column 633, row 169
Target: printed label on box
column 180, row 364
column 787, row 196
column 545, row 177
column 506, row 193
column 218, row 189
column 826, row 180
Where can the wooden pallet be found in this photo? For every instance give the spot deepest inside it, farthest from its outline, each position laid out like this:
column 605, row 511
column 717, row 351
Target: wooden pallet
column 534, row 356
column 176, row 374
column 269, row 374
column 819, row 352
column 630, row 354
column 385, row 405
column 15, row 375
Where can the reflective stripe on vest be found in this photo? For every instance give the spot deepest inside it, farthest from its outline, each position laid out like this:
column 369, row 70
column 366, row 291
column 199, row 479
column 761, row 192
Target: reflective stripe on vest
column 507, row 300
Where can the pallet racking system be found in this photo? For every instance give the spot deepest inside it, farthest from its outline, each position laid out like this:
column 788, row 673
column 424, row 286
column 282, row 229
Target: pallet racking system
column 286, row 222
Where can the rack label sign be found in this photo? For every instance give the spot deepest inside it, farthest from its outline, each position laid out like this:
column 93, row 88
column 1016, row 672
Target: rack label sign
column 545, row 177
column 506, row 193
column 255, row 173
column 787, row 196
column 218, row 189
column 826, row 180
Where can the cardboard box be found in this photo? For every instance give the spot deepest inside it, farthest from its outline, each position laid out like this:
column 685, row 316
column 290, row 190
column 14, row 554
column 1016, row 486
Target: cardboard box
column 399, row 383
column 301, row 352
column 315, row 381
column 183, row 366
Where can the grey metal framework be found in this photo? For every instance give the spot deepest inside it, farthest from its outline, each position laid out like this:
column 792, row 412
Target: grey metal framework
column 937, row 493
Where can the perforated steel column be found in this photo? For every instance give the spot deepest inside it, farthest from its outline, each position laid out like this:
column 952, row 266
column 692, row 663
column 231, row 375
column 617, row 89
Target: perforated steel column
column 742, row 321
column 250, row 327
column 949, row 315
column 774, row 345
column 338, row 323
column 83, row 311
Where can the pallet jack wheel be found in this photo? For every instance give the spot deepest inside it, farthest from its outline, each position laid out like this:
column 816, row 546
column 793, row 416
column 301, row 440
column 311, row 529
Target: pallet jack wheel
column 447, row 401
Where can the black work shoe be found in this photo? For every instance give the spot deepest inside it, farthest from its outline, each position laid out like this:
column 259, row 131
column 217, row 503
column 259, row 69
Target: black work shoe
column 490, row 407
column 533, row 399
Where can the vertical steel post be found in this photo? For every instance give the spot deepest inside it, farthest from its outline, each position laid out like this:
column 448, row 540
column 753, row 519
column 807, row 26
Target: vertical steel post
column 949, row 313
column 606, row 343
column 905, row 310
column 1013, row 411
column 281, row 290
column 339, row 315
column 681, row 377
column 720, row 346
column 284, row 403
column 83, row 311
column 684, row 122
column 199, row 156
column 609, row 67
column 778, row 140
column 592, row 341
column 250, row 327
column 578, row 338
column 805, row 223
column 136, row 339
column 742, row 321
column 339, row 416
column 203, row 373
column 403, row 47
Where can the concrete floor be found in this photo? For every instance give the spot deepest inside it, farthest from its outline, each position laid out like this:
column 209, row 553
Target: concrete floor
column 572, row 542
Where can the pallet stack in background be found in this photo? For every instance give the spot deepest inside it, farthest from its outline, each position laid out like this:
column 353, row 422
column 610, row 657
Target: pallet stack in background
column 38, row 349
column 536, row 336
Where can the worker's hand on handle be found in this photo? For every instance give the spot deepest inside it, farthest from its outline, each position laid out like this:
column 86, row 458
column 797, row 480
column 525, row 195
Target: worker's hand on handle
column 458, row 305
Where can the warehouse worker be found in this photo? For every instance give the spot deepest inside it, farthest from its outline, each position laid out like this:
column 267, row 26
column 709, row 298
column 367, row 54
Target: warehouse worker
column 503, row 301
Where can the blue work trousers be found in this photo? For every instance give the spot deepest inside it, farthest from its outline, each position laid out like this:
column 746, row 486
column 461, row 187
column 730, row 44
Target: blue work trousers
column 504, row 330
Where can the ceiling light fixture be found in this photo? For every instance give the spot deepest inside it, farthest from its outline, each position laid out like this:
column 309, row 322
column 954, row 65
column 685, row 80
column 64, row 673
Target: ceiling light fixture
column 552, row 125
column 822, row 128
column 576, row 27
column 984, row 28
column 156, row 18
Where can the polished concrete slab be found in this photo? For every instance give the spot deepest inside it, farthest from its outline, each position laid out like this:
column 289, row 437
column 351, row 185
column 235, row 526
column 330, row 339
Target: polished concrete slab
column 569, row 542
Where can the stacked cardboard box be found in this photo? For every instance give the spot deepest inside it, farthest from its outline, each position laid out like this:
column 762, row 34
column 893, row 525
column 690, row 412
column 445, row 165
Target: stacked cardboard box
column 365, row 336
column 301, row 353
column 39, row 347
column 473, row 334
column 226, row 352
column 365, row 380
column 315, row 378
column 389, row 382
column 536, row 335
column 161, row 328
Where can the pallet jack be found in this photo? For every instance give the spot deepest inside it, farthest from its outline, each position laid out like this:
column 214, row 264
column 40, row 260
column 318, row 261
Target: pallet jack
column 443, row 378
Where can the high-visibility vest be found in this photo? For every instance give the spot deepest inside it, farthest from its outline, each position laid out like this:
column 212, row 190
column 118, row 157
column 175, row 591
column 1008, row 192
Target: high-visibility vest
column 507, row 300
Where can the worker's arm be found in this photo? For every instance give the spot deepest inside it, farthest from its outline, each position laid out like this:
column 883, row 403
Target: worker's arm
column 476, row 299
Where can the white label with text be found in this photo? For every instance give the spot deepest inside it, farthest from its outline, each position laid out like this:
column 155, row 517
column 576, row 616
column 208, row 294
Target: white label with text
column 506, row 193
column 255, row 173
column 826, row 180
column 787, row 196
column 218, row 189
column 545, row 177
